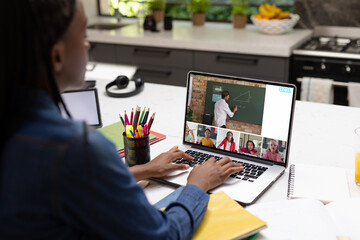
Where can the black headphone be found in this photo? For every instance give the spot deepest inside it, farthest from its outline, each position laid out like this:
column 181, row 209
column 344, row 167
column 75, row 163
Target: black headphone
column 121, row 82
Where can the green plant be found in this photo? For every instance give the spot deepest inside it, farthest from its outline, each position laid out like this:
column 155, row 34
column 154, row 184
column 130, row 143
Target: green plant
column 198, row 6
column 113, row 6
column 158, row 5
column 189, row 115
column 240, row 7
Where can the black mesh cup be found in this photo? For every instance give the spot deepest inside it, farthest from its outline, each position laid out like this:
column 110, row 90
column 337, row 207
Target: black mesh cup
column 137, row 150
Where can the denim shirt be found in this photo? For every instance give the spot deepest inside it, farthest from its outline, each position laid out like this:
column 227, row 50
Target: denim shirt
column 59, row 182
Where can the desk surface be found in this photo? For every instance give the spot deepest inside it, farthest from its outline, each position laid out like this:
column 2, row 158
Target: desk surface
column 322, row 133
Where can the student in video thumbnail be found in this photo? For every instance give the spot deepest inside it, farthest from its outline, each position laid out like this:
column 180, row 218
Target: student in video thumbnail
column 250, row 148
column 272, row 152
column 206, row 141
column 222, row 111
column 228, row 143
column 189, row 134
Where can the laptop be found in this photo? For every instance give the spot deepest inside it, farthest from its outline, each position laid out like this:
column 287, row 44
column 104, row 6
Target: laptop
column 258, row 134
column 83, row 105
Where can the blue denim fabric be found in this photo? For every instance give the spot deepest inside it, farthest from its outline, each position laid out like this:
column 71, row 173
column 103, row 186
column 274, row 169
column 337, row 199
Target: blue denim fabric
column 56, row 185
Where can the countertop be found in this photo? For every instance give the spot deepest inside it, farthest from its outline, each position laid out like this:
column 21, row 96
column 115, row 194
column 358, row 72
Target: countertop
column 212, row 37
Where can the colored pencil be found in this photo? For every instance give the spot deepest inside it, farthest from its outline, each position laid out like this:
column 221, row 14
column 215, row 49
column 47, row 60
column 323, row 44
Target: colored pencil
column 142, row 116
column 136, row 117
column 146, row 117
column 151, row 121
column 122, row 120
column 126, row 119
column 132, row 115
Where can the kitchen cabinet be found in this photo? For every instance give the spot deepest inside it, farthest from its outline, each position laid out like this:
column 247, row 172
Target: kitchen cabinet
column 252, row 66
column 170, row 66
column 100, row 52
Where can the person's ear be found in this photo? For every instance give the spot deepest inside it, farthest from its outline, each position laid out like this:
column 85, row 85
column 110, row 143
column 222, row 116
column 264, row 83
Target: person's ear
column 57, row 56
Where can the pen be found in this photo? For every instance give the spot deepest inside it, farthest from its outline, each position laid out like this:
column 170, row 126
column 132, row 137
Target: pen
column 142, row 116
column 146, row 117
column 137, row 135
column 145, row 129
column 132, row 134
column 122, row 120
column 136, row 117
column 140, row 130
column 132, row 115
column 151, row 121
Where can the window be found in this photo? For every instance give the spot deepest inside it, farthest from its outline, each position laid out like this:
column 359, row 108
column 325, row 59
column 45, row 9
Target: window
column 220, row 10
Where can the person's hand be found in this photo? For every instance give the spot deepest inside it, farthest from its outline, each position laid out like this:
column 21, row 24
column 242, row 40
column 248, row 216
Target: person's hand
column 235, row 109
column 211, row 174
column 162, row 165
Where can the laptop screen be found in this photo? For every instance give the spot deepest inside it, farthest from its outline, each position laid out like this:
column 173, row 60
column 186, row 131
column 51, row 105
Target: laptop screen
column 83, row 105
column 243, row 116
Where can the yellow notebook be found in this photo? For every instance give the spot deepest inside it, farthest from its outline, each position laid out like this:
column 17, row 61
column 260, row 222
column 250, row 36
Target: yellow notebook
column 226, row 219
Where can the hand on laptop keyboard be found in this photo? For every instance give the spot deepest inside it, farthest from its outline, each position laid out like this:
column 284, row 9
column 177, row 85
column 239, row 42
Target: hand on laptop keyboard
column 161, row 165
column 250, row 173
column 213, row 172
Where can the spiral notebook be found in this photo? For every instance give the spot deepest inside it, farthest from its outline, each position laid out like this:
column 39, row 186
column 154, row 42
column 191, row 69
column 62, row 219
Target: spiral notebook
column 323, row 183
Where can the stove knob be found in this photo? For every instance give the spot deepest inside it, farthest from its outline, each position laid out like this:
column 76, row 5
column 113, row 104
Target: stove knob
column 322, row 66
column 347, row 69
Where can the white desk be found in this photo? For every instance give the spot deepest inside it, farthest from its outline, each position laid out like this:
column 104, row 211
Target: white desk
column 322, row 134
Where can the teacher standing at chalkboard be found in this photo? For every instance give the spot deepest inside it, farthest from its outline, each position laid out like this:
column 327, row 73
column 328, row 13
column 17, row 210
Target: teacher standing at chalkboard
column 222, row 110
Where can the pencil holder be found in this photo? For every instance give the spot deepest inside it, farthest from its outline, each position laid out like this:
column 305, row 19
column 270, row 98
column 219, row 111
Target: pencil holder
column 137, row 150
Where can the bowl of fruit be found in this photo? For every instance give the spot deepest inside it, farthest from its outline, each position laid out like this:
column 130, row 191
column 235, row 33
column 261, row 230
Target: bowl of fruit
column 272, row 20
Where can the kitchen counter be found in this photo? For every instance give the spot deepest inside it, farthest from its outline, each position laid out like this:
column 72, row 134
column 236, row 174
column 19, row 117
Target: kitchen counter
column 212, row 37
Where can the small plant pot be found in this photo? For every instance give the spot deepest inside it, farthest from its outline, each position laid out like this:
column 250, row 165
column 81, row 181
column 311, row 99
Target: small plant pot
column 198, row 19
column 158, row 15
column 239, row 21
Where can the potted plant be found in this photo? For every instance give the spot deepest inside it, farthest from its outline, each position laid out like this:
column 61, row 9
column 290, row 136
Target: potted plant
column 239, row 11
column 198, row 8
column 158, row 9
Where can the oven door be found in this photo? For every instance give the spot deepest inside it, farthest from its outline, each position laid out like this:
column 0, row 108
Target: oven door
column 339, row 70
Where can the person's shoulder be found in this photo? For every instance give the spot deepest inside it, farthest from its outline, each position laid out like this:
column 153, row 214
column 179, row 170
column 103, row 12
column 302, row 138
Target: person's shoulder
column 51, row 127
column 220, row 101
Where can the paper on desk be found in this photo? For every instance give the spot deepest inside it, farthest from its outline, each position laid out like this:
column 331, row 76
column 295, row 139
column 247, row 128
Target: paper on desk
column 346, row 216
column 297, row 219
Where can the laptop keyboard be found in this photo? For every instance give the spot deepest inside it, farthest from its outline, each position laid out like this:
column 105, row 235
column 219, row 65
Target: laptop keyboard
column 250, row 173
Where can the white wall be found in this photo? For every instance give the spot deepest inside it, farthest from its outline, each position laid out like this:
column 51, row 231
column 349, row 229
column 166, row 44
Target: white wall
column 90, row 8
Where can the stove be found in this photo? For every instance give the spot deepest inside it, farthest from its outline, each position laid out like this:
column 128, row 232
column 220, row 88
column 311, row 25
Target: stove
column 332, row 53
column 336, row 47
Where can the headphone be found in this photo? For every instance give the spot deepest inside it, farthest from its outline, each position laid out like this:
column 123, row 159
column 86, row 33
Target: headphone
column 121, row 82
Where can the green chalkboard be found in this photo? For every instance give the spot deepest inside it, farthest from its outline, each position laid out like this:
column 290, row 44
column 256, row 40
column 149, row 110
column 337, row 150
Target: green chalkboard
column 248, row 99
